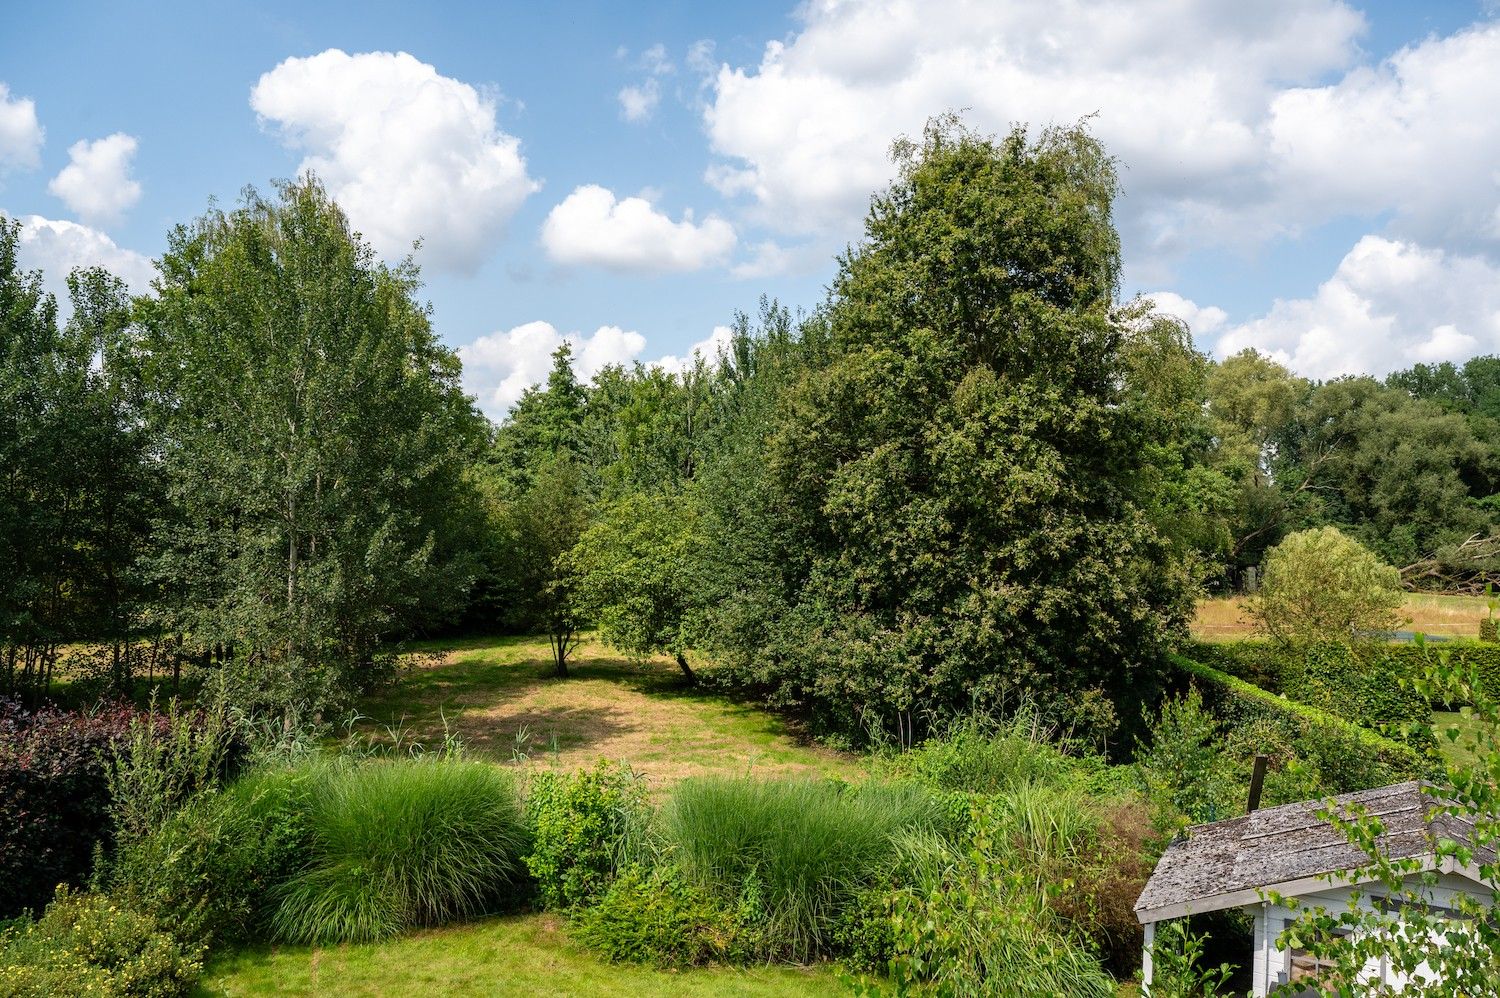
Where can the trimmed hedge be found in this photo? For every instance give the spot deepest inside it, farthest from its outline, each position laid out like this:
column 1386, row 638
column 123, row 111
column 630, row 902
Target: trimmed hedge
column 1364, row 686
column 1347, row 756
column 1277, row 669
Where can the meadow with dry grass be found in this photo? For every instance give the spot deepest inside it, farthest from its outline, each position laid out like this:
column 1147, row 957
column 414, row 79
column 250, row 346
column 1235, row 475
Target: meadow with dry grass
column 1226, row 619
column 499, row 697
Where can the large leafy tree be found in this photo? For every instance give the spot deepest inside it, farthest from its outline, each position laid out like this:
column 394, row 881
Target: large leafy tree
column 1188, row 496
column 74, row 487
column 1401, row 474
column 961, row 480
column 545, row 424
column 313, row 435
column 541, row 527
column 1251, row 402
column 634, row 576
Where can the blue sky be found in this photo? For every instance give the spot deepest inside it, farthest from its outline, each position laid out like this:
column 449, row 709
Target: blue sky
column 1311, row 178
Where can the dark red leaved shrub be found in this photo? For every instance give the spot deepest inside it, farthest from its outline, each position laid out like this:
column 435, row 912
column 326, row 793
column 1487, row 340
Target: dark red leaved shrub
column 54, row 797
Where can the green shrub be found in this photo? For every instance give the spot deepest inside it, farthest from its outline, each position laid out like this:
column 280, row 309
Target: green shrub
column 91, row 944
column 1187, row 775
column 802, row 850
column 585, row 825
column 1346, row 756
column 970, row 920
column 657, row 917
column 1321, row 585
column 981, row 757
column 212, row 869
column 1178, row 967
column 1489, row 630
column 395, row 845
column 168, row 758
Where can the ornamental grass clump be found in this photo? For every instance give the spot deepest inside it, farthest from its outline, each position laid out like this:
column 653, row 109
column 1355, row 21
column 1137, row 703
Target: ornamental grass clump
column 398, row 845
column 791, row 854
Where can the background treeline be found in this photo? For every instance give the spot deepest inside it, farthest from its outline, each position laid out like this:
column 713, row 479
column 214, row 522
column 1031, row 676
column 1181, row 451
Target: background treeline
column 973, row 472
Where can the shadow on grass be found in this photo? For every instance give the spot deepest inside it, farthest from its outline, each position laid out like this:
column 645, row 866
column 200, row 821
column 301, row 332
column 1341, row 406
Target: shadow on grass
column 501, row 697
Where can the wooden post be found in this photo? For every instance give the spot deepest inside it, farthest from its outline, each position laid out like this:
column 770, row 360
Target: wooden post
column 1257, row 781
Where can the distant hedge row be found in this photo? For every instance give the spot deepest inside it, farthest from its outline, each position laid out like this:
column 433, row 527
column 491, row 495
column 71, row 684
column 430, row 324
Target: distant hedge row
column 1348, row 756
column 1280, row 670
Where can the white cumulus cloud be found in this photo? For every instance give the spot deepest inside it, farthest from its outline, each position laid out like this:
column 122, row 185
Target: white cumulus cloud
column 638, row 101
column 21, row 135
column 56, row 247
column 96, row 184
column 708, row 348
column 1182, row 90
column 499, row 366
column 1389, row 304
column 1202, row 320
column 592, row 227
column 409, row 153
column 1235, row 124
column 1417, row 135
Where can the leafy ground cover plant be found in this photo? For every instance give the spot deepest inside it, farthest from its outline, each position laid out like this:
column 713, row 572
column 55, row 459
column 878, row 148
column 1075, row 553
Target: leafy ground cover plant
column 91, row 944
column 401, row 844
column 795, row 852
column 655, row 916
column 584, row 826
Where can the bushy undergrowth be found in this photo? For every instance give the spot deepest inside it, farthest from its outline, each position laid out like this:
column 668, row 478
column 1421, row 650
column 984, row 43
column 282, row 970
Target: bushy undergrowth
column 655, row 916
column 970, row 919
column 168, row 758
column 796, row 852
column 585, row 826
column 982, row 757
column 211, row 870
column 397, row 845
column 90, row 944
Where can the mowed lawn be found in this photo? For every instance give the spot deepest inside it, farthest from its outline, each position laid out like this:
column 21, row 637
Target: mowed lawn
column 513, row 955
column 1448, row 616
column 499, row 696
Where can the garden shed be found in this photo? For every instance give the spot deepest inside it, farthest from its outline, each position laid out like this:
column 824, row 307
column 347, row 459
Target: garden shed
column 1292, row 851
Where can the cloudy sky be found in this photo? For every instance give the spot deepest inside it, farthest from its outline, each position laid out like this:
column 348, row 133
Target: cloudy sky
column 1316, row 179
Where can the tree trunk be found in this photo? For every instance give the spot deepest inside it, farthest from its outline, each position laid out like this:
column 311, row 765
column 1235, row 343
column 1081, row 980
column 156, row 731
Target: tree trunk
column 687, row 670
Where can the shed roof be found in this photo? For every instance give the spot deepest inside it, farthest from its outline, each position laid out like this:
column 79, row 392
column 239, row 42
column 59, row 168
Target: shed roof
column 1227, row 863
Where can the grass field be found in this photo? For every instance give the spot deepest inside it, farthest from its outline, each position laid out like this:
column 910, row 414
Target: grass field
column 1459, row 751
column 499, row 696
column 514, row 955
column 1448, row 616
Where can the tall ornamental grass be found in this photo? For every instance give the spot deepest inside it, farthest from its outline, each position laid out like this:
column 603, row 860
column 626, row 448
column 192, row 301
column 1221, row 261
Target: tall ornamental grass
column 790, row 854
column 397, row 845
column 970, row 921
